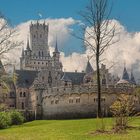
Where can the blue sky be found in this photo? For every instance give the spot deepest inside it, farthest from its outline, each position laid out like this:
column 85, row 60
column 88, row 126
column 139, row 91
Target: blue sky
column 127, row 11
column 18, row 11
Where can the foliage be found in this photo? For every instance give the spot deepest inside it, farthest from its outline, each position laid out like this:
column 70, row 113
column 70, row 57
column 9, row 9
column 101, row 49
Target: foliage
column 122, row 109
column 3, row 107
column 5, row 120
column 16, row 117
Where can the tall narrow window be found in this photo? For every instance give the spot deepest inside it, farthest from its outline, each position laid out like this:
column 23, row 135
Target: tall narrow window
column 22, row 105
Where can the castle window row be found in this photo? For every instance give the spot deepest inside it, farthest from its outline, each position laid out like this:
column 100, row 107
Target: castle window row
column 96, row 99
column 54, row 101
column 22, row 94
column 71, row 101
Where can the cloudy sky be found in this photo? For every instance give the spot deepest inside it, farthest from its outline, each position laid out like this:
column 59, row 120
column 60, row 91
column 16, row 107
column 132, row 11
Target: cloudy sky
column 64, row 19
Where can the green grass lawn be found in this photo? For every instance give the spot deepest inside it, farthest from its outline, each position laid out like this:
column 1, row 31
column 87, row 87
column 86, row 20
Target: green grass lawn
column 66, row 130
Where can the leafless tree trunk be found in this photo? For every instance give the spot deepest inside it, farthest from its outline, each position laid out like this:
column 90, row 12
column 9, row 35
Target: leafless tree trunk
column 98, row 34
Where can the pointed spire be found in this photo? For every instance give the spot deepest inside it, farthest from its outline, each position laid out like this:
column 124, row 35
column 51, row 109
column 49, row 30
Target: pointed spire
column 89, row 68
column 56, row 46
column 28, row 46
column 132, row 78
column 125, row 75
column 22, row 52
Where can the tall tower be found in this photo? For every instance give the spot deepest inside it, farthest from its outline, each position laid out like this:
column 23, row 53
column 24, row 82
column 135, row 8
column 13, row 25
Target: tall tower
column 39, row 39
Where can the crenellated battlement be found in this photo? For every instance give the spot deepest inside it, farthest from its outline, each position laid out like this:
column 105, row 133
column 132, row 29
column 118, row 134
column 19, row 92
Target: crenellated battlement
column 87, row 89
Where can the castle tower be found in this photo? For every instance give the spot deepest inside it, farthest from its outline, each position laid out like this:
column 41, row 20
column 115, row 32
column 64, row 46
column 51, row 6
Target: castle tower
column 39, row 39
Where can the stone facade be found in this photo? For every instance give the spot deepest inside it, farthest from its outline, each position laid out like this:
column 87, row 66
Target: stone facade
column 44, row 89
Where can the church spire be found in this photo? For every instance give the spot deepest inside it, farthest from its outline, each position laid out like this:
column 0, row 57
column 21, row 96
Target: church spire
column 125, row 75
column 56, row 46
column 22, row 52
column 28, row 46
column 132, row 78
column 89, row 68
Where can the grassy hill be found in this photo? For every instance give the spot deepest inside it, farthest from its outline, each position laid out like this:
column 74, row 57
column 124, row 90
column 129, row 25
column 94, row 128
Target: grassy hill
column 66, row 130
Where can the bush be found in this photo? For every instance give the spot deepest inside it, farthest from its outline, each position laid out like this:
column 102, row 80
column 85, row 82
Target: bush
column 16, row 118
column 5, row 120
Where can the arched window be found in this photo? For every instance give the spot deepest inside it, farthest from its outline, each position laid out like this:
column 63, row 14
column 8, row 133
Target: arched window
column 24, row 94
column 39, row 53
column 20, row 94
column 22, row 105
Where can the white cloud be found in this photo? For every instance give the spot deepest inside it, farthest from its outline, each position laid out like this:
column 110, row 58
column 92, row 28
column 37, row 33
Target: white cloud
column 126, row 50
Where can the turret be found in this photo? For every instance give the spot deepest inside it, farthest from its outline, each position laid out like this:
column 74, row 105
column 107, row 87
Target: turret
column 125, row 75
column 89, row 68
column 39, row 39
column 56, row 53
column 28, row 50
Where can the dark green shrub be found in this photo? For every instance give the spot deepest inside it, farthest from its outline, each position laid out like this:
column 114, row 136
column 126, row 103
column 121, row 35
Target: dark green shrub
column 16, row 118
column 5, row 120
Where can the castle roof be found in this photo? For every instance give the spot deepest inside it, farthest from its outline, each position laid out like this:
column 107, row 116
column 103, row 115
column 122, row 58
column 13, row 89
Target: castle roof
column 25, row 77
column 65, row 78
column 75, row 77
column 89, row 68
column 125, row 75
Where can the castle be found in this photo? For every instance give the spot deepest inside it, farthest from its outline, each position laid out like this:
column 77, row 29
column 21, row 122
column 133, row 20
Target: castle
column 45, row 90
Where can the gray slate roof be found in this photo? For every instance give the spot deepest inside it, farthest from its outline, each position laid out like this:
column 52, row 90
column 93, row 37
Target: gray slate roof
column 25, row 77
column 125, row 74
column 75, row 77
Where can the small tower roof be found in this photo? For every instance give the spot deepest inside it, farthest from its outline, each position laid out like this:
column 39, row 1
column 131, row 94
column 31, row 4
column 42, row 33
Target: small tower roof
column 28, row 46
column 56, row 46
column 132, row 78
column 125, row 75
column 89, row 68
column 22, row 52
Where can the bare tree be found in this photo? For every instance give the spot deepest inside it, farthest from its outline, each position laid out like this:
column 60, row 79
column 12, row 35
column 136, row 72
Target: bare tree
column 99, row 32
column 7, row 34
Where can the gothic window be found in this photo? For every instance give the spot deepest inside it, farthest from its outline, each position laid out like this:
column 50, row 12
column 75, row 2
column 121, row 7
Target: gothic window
column 78, row 100
column 43, row 78
column 49, row 79
column 70, row 101
column 24, row 94
column 20, row 94
column 52, row 102
column 22, row 105
column 66, row 83
column 56, row 101
column 39, row 54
